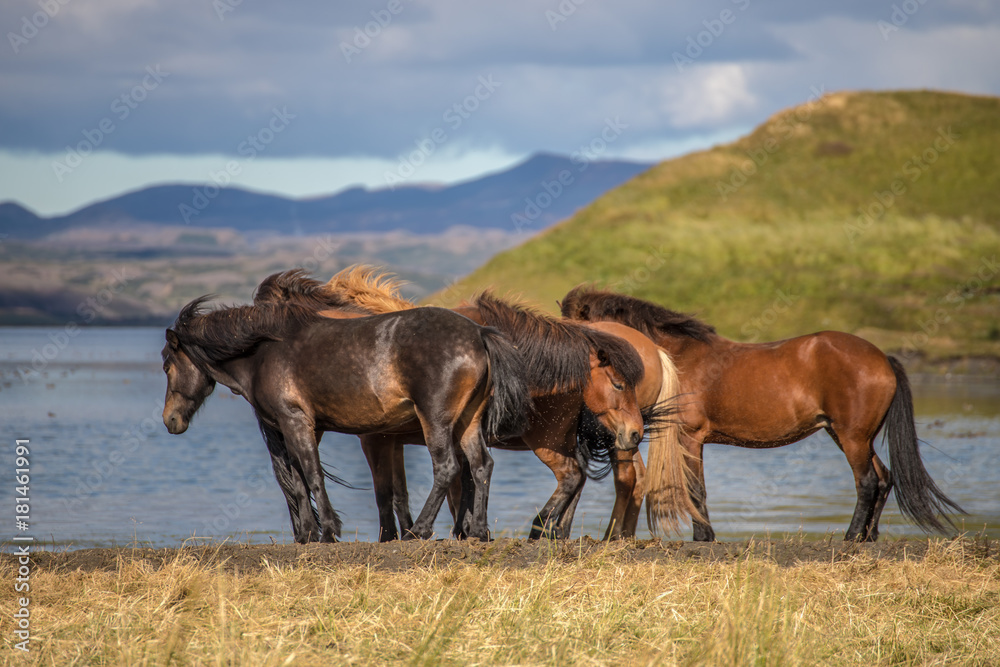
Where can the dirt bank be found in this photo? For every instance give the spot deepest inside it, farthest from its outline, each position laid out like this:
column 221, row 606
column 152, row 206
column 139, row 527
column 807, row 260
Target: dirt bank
column 515, row 553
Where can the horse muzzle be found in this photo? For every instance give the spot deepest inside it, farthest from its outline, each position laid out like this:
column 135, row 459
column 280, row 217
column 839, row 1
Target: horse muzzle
column 175, row 425
column 627, row 439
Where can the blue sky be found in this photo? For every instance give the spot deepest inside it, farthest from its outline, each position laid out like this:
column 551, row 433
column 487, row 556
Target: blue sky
column 306, row 98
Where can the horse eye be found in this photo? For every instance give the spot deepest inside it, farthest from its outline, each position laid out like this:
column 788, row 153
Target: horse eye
column 619, row 387
column 166, row 366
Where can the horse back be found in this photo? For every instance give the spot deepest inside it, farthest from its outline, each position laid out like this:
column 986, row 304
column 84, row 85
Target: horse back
column 370, row 373
column 795, row 385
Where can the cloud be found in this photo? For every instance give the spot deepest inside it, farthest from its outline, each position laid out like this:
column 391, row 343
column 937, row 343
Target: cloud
column 401, row 71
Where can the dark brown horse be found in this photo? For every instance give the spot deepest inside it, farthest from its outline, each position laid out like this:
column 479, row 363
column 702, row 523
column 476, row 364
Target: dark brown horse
column 579, row 377
column 429, row 370
column 774, row 394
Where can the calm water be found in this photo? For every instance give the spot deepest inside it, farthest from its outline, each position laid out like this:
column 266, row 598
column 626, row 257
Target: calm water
column 104, row 470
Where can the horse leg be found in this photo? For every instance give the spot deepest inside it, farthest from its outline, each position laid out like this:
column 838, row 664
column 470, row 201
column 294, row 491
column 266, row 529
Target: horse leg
column 569, row 482
column 462, row 498
column 400, row 494
column 884, row 488
column 703, row 531
column 565, row 525
column 305, row 528
column 475, row 495
column 625, row 480
column 380, row 450
column 300, row 438
column 446, row 467
column 638, row 492
column 866, row 483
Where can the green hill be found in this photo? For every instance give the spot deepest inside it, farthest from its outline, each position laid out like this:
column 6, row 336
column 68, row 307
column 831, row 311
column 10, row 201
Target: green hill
column 874, row 213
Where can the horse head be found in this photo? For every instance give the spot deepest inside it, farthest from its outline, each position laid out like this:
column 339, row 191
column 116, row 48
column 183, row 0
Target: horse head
column 612, row 400
column 187, row 385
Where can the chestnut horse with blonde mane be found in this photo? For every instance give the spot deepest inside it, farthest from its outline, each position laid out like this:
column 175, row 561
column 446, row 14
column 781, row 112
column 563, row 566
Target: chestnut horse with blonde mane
column 561, row 410
column 773, row 394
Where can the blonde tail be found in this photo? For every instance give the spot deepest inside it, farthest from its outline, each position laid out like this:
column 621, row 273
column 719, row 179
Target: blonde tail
column 668, row 477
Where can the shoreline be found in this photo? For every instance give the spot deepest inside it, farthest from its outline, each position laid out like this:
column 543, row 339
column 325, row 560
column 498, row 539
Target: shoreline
column 517, row 553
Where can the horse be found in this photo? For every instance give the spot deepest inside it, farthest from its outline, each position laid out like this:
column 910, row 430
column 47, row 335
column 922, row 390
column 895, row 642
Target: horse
column 763, row 395
column 430, row 370
column 567, row 396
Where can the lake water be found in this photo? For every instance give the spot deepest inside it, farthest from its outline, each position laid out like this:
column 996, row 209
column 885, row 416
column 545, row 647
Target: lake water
column 104, row 470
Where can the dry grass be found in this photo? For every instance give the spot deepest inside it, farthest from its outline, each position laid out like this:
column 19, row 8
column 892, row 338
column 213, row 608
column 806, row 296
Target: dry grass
column 598, row 609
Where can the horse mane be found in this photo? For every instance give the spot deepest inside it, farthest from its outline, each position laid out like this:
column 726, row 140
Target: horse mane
column 295, row 286
column 369, row 289
column 557, row 352
column 213, row 336
column 589, row 304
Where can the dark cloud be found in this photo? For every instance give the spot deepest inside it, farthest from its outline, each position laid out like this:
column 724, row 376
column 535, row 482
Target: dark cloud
column 560, row 73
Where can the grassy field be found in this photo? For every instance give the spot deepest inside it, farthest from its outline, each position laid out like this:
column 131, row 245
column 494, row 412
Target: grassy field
column 604, row 605
column 875, row 213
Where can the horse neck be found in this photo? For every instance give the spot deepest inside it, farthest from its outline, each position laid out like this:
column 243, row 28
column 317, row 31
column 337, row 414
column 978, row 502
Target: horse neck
column 231, row 373
column 684, row 347
column 471, row 312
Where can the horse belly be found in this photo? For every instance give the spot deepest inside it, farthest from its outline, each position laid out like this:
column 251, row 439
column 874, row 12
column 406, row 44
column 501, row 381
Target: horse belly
column 763, row 412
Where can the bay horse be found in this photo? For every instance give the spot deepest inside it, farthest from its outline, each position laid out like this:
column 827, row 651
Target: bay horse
column 773, row 394
column 429, row 370
column 569, row 394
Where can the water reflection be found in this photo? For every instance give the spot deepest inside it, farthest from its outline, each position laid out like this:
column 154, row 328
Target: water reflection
column 105, row 471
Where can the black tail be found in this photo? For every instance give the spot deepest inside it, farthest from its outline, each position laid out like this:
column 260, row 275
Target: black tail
column 509, row 407
column 288, row 478
column 918, row 496
column 595, row 444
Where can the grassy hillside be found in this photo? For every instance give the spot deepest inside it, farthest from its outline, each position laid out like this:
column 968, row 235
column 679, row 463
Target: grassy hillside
column 875, row 213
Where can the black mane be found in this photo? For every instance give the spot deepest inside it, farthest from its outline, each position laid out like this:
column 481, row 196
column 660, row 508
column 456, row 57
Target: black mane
column 557, row 352
column 588, row 304
column 214, row 336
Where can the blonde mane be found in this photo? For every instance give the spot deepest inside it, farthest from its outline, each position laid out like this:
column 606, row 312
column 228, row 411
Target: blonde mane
column 370, row 289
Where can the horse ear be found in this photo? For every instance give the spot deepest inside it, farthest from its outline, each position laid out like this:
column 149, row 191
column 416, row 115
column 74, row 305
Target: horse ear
column 602, row 358
column 173, row 340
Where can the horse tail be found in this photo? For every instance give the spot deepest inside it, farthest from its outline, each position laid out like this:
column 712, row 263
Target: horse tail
column 287, row 477
column 668, row 477
column 595, row 445
column 918, row 496
column 508, row 407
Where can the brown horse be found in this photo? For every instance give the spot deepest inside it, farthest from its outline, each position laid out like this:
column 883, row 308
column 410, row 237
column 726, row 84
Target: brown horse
column 428, row 369
column 562, row 408
column 774, row 394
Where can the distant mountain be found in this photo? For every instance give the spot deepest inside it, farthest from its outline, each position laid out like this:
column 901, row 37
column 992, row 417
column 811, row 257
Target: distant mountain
column 533, row 194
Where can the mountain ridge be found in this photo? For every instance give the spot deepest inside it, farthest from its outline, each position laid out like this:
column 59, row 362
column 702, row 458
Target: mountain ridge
column 485, row 202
